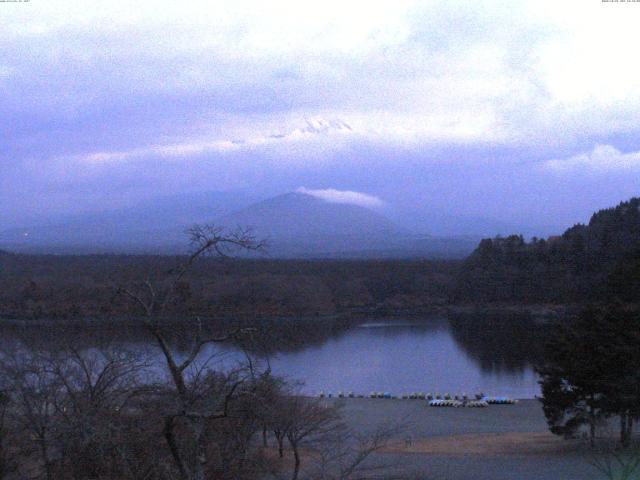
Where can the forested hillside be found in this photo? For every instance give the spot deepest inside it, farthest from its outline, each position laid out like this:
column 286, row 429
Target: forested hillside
column 47, row 286
column 594, row 262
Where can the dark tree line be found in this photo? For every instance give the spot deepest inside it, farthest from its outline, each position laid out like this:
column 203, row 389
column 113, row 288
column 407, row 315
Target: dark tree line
column 591, row 372
column 593, row 262
column 35, row 287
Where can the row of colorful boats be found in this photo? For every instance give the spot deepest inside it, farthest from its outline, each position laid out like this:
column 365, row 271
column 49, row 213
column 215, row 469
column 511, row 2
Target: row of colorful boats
column 478, row 401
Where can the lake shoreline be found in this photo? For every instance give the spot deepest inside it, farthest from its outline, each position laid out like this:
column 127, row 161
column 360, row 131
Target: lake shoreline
column 538, row 312
column 400, row 355
column 500, row 442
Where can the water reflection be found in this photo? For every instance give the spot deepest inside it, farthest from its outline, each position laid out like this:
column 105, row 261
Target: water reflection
column 468, row 354
column 499, row 343
column 431, row 355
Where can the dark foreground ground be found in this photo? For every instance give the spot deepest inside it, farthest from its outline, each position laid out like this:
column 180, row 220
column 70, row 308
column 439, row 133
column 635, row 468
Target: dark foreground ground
column 506, row 442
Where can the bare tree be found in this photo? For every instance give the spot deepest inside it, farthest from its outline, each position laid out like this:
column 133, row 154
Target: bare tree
column 35, row 392
column 154, row 301
column 272, row 412
column 234, row 437
column 322, row 445
column 270, row 391
column 93, row 410
column 90, row 414
column 69, row 408
column 343, row 454
column 306, row 419
column 7, row 461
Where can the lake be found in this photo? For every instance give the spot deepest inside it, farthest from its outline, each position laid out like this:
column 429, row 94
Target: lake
column 435, row 354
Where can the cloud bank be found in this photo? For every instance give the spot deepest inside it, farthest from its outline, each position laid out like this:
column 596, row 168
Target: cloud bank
column 406, row 73
column 343, row 196
column 449, row 105
column 602, row 159
column 315, row 127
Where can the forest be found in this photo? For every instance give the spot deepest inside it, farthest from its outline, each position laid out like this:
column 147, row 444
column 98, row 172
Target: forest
column 81, row 287
column 596, row 262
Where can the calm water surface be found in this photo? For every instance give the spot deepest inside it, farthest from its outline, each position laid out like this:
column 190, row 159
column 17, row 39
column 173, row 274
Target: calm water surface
column 404, row 357
column 432, row 355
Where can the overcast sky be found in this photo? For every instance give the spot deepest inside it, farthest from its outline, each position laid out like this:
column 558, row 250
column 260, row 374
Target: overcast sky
column 517, row 110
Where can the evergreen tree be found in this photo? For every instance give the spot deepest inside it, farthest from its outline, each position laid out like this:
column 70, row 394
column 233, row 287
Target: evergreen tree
column 590, row 262
column 591, row 371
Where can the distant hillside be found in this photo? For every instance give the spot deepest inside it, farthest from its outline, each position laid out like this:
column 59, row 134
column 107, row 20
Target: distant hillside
column 297, row 225
column 598, row 261
column 298, row 215
column 155, row 226
column 301, row 225
column 451, row 224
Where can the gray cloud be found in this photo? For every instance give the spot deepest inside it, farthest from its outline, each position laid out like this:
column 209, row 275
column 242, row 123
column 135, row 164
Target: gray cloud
column 454, row 106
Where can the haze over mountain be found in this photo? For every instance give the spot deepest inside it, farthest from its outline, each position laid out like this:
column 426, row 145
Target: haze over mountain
column 305, row 223
column 298, row 215
column 155, row 226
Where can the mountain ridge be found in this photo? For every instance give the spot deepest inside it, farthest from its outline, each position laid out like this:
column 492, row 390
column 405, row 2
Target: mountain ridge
column 297, row 225
column 294, row 214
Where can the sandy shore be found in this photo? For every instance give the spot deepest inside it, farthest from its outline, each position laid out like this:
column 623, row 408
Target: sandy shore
column 510, row 443
column 501, row 442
